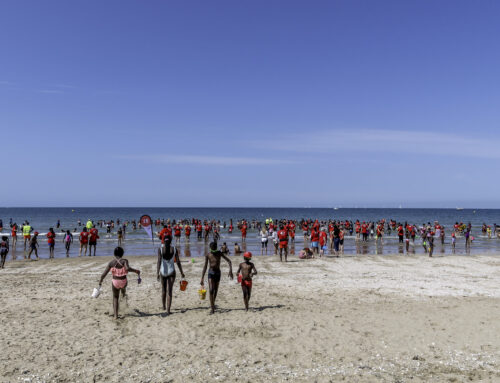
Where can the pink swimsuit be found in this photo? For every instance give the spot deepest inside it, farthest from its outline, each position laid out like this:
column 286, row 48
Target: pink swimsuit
column 122, row 272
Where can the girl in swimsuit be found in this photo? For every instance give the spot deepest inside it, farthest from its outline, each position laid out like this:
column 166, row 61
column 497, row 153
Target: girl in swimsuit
column 119, row 269
column 165, row 271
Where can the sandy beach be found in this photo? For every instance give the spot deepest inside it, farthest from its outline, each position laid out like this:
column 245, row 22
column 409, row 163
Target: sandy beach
column 357, row 318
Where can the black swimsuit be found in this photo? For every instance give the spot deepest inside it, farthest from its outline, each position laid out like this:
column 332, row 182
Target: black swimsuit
column 214, row 274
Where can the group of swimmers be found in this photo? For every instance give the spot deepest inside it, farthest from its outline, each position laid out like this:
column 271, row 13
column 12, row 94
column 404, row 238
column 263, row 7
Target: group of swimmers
column 168, row 258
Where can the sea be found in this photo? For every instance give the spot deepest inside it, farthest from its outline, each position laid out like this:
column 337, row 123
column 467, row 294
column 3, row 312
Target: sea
column 137, row 242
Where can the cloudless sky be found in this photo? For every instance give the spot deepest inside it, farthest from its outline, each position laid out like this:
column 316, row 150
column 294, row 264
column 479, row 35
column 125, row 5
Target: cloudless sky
column 250, row 103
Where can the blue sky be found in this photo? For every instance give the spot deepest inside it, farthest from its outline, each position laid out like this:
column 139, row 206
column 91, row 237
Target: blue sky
column 257, row 103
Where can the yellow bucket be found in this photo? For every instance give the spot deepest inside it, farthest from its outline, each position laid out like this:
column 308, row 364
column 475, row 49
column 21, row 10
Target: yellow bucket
column 202, row 293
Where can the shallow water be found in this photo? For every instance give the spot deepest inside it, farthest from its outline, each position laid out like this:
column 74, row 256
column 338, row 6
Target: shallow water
column 137, row 243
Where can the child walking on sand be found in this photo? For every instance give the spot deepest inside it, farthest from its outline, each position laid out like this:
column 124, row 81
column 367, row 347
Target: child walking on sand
column 245, row 272
column 119, row 269
column 213, row 258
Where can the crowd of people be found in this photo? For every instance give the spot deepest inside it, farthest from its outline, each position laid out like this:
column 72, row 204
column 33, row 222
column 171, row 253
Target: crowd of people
column 322, row 236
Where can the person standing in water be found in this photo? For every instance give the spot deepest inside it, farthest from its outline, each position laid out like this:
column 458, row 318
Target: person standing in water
column 165, row 271
column 84, row 241
column 13, row 235
column 119, row 268
column 27, row 229
column 93, row 236
column 51, row 240
column 68, row 239
column 213, row 258
column 34, row 245
column 247, row 270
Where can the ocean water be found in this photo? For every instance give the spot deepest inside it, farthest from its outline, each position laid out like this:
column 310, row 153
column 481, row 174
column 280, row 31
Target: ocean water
column 137, row 243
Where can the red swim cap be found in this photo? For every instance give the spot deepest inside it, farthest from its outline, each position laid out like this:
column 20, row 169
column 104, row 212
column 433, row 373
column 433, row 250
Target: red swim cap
column 247, row 255
column 36, row 232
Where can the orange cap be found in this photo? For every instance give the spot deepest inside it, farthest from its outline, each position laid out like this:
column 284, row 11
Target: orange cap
column 247, row 255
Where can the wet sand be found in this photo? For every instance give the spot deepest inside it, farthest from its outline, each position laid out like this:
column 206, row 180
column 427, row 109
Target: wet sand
column 359, row 318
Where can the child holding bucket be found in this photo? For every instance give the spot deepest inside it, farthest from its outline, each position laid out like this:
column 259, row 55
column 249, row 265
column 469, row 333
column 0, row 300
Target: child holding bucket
column 119, row 268
column 245, row 272
column 214, row 257
column 165, row 271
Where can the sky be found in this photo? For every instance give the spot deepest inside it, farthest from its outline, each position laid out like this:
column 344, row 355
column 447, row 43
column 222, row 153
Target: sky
column 250, row 103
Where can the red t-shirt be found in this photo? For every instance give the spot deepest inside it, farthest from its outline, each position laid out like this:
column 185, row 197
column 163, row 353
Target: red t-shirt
column 93, row 235
column 322, row 238
column 177, row 231
column 51, row 238
column 314, row 236
column 84, row 237
column 187, row 230
column 283, row 236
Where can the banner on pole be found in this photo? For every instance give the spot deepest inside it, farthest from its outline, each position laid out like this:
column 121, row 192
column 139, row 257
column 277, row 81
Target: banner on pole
column 146, row 225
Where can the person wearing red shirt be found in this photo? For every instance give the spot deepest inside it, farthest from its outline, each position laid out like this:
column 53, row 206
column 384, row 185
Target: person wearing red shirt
column 199, row 230
column 305, row 230
column 323, row 238
column 380, row 232
column 187, row 232
column 166, row 232
column 208, row 229
column 13, row 234
column 93, row 236
column 357, row 229
column 51, row 240
column 364, row 231
column 315, row 240
column 291, row 231
column 177, row 234
column 401, row 233
column 243, row 232
column 283, row 240
column 84, row 241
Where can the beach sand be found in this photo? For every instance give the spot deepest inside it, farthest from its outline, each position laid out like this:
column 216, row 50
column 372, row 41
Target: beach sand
column 357, row 319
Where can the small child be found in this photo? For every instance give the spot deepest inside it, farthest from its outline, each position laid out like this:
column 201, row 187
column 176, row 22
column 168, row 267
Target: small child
column 4, row 250
column 453, row 240
column 224, row 249
column 34, row 245
column 245, row 272
column 237, row 249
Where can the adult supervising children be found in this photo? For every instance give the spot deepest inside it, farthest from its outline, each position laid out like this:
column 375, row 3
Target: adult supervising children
column 283, row 237
column 212, row 261
column 27, row 229
column 51, row 240
column 93, row 236
column 84, row 241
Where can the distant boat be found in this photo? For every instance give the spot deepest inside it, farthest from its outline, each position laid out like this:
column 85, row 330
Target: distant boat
column 335, row 208
column 460, row 208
